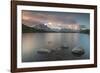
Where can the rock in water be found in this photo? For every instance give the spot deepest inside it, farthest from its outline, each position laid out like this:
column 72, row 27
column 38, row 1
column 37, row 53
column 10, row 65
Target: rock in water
column 78, row 51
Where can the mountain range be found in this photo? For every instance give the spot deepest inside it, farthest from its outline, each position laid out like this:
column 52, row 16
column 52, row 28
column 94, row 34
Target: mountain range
column 44, row 28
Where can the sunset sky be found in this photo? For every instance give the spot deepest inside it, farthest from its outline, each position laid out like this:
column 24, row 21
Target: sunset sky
column 54, row 19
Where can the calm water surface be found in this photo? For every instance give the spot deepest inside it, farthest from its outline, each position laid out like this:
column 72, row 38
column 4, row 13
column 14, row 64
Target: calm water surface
column 47, row 46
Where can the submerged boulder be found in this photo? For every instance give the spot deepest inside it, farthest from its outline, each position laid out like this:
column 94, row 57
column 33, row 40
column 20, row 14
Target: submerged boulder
column 64, row 47
column 78, row 51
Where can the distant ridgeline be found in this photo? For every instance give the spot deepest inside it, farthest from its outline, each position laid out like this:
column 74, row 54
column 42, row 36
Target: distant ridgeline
column 87, row 31
column 26, row 29
column 45, row 28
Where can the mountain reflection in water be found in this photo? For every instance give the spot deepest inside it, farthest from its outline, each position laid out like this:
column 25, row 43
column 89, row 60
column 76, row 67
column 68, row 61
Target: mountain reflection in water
column 53, row 46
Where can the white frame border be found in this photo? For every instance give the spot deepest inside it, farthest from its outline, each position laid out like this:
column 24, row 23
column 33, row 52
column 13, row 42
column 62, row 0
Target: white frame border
column 53, row 63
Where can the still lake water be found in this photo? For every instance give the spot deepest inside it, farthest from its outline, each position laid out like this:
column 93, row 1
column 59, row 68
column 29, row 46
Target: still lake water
column 47, row 46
